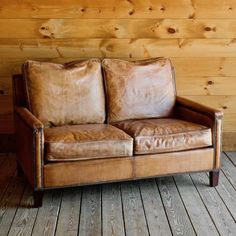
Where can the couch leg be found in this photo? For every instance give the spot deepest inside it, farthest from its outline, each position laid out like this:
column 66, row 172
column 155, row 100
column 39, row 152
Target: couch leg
column 19, row 170
column 214, row 178
column 38, row 198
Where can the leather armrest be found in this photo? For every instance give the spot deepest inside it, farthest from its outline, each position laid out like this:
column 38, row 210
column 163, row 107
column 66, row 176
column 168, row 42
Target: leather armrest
column 197, row 113
column 29, row 145
column 28, row 118
column 197, row 107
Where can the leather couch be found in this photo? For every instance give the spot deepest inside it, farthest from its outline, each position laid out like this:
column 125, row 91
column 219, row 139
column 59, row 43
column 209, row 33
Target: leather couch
column 96, row 121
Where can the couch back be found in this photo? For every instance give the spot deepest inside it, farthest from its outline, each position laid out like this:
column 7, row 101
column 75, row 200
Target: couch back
column 133, row 90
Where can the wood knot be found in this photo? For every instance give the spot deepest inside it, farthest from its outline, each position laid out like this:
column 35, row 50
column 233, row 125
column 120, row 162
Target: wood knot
column 207, row 28
column 224, row 107
column 131, row 12
column 150, row 8
column 162, row 8
column 1, row 92
column 115, row 28
column 210, row 82
column 82, row 10
column 171, row 30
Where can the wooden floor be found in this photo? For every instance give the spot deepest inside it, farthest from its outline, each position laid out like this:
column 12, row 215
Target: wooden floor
column 180, row 205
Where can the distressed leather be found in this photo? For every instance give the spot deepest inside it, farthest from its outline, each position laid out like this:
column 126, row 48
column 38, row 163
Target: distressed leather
column 126, row 168
column 137, row 90
column 192, row 111
column 29, row 145
column 65, row 94
column 165, row 135
column 80, row 142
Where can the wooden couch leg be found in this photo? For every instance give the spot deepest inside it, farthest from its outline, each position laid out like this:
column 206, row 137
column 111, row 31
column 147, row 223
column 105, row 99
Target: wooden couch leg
column 38, row 198
column 214, row 178
column 19, row 170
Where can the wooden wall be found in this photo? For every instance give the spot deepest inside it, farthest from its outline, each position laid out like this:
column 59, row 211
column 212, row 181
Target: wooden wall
column 199, row 36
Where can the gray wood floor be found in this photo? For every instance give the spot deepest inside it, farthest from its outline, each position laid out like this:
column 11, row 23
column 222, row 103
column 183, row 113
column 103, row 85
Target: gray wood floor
column 179, row 205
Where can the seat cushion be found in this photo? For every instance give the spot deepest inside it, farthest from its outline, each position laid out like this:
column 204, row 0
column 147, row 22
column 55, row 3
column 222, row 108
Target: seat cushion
column 138, row 90
column 65, row 94
column 78, row 142
column 165, row 135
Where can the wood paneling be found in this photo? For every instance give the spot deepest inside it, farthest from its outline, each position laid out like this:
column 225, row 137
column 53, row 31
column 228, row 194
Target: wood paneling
column 199, row 37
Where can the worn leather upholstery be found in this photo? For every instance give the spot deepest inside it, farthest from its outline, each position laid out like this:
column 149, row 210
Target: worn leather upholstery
column 137, row 90
column 30, row 145
column 207, row 116
column 65, row 94
column 126, row 168
column 165, row 135
column 79, row 142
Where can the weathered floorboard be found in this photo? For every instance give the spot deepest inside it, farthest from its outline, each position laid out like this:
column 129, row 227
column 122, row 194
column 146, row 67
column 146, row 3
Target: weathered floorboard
column 203, row 225
column 216, row 207
column 112, row 218
column 177, row 215
column 134, row 217
column 90, row 218
column 156, row 218
column 67, row 224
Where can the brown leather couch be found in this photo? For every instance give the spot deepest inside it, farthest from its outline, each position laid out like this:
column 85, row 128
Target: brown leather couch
column 93, row 121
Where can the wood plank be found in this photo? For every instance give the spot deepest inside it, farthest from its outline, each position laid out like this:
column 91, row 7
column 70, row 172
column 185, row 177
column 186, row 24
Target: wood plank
column 68, row 219
column 216, row 207
column 46, row 220
column 9, row 203
column 118, row 28
column 112, row 217
column 154, row 210
column 206, row 85
column 90, row 218
column 126, row 48
column 118, row 9
column 134, row 217
column 184, row 67
column 7, row 170
column 25, row 216
column 229, row 169
column 177, row 215
column 224, row 103
column 228, row 194
column 197, row 212
column 229, row 141
column 232, row 157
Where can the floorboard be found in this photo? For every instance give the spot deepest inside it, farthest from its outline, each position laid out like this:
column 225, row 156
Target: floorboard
column 180, row 205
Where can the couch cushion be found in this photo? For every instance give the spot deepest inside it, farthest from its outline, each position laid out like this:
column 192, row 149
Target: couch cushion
column 65, row 94
column 165, row 135
column 78, row 142
column 141, row 89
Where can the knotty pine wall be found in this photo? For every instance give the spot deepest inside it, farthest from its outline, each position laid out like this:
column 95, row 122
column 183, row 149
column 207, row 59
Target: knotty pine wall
column 198, row 35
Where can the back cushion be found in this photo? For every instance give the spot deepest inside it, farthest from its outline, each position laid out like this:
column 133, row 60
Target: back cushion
column 141, row 89
column 65, row 94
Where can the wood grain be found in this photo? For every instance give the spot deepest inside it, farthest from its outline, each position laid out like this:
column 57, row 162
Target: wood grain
column 90, row 218
column 134, row 217
column 219, row 213
column 156, row 218
column 112, row 216
column 118, row 28
column 46, row 220
column 119, row 9
column 67, row 224
column 193, row 203
column 25, row 216
column 177, row 215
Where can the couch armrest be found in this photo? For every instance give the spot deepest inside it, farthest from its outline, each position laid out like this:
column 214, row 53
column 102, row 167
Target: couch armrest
column 197, row 107
column 194, row 112
column 29, row 145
